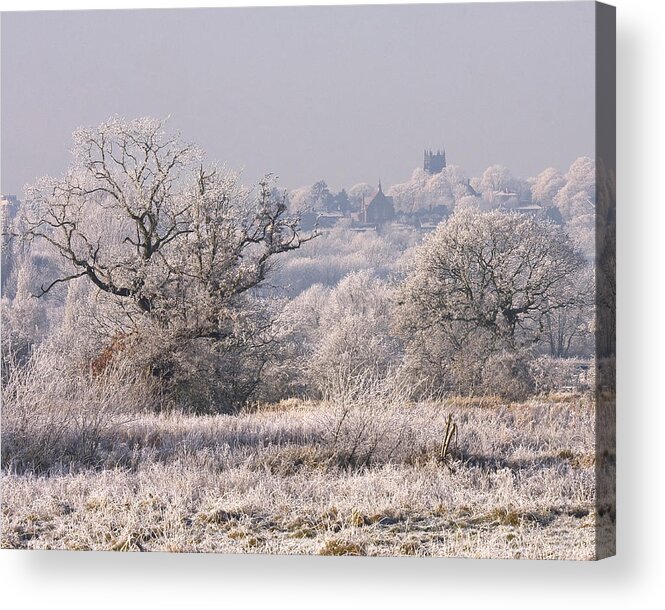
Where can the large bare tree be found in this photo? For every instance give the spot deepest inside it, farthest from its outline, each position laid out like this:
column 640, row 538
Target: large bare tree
column 148, row 221
column 485, row 283
column 499, row 271
column 173, row 248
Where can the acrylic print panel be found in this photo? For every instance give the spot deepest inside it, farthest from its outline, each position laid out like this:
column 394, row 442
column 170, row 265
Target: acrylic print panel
column 328, row 281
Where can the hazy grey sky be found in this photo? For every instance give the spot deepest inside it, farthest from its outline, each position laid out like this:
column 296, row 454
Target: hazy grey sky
column 345, row 94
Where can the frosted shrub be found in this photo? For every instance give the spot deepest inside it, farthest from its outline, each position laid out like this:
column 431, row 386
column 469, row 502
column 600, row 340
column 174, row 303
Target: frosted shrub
column 507, row 374
column 198, row 374
column 438, row 363
column 52, row 418
column 367, row 421
column 556, row 374
column 372, row 420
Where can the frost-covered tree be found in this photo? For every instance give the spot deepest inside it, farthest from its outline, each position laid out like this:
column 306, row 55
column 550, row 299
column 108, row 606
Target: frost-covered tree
column 569, row 331
column 577, row 197
column 426, row 191
column 298, row 328
column 331, row 336
column 172, row 242
column 24, row 319
column 355, row 337
column 358, row 191
column 469, row 202
column 576, row 201
column 485, row 283
column 313, row 198
column 496, row 178
column 501, row 271
column 546, row 186
column 145, row 219
column 341, row 202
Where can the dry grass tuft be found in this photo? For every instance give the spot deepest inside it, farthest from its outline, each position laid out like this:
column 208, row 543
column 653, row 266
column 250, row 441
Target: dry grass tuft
column 410, row 547
column 357, row 519
column 291, row 459
column 482, row 402
column 341, row 547
column 504, row 516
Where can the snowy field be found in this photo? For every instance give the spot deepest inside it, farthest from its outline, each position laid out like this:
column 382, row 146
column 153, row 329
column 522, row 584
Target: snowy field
column 515, row 481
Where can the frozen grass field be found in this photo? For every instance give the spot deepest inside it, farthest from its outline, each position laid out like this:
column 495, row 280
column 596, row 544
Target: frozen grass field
column 304, row 477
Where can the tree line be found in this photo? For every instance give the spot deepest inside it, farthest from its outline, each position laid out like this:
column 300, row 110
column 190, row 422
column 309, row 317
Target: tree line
column 145, row 254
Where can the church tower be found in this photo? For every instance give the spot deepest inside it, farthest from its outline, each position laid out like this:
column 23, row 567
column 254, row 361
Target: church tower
column 434, row 161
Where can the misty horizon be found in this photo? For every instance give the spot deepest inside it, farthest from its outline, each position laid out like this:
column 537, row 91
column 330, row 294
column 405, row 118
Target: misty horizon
column 341, row 94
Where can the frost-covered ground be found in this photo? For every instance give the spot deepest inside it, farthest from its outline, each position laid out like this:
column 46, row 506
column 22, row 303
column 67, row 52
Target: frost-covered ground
column 519, row 483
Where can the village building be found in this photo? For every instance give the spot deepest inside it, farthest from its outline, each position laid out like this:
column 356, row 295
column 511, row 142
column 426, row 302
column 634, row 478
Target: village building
column 504, row 199
column 379, row 210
